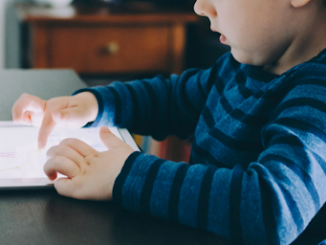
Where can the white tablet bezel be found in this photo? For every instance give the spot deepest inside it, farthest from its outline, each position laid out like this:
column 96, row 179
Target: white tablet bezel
column 40, row 183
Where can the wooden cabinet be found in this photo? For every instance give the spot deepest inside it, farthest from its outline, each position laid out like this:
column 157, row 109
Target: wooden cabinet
column 111, row 49
column 101, row 40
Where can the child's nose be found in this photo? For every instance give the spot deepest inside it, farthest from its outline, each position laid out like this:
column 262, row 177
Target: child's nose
column 205, row 8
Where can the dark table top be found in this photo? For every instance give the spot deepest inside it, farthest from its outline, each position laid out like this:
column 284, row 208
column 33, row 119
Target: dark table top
column 44, row 217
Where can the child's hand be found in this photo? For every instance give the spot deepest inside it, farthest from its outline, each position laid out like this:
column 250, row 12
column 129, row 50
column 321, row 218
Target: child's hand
column 91, row 174
column 70, row 111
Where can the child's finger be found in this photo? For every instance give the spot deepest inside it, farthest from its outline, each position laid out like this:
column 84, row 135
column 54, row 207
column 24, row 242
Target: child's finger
column 81, row 147
column 26, row 102
column 46, row 128
column 66, row 187
column 62, row 165
column 17, row 112
column 109, row 139
column 26, row 118
column 68, row 152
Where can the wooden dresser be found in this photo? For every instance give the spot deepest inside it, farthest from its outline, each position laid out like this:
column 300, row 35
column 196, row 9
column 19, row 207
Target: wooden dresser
column 105, row 39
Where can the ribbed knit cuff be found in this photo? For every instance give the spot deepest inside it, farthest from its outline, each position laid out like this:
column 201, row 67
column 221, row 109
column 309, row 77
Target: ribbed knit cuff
column 129, row 184
column 120, row 180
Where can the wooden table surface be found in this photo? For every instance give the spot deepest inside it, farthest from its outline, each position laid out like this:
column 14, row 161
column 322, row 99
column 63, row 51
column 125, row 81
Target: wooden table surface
column 44, row 217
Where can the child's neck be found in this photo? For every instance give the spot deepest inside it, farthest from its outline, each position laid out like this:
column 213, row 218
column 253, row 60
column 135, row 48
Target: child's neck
column 287, row 61
column 308, row 43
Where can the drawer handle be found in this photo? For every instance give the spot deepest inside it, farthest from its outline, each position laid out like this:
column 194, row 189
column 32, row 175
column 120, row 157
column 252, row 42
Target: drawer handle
column 112, row 48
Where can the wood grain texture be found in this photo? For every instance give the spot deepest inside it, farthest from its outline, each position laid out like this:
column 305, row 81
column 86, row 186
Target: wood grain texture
column 76, row 37
column 84, row 48
column 39, row 47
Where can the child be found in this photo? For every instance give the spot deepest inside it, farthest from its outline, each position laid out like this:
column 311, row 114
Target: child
column 258, row 163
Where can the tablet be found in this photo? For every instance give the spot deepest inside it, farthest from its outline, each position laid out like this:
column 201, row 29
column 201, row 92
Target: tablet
column 21, row 163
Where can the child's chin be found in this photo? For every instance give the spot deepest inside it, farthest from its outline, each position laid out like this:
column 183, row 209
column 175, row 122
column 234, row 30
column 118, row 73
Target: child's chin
column 245, row 58
column 240, row 57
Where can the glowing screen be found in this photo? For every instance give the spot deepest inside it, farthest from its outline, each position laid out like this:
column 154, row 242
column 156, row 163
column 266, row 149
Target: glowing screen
column 20, row 158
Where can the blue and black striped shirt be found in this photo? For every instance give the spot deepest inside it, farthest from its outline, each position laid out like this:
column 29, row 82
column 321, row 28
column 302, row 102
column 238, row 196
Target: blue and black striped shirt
column 257, row 170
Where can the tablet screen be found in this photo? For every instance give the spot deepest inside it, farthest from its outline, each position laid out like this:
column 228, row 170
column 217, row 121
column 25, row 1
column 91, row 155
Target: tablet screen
column 20, row 158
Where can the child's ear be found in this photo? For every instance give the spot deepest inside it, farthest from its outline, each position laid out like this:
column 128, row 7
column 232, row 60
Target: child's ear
column 299, row 3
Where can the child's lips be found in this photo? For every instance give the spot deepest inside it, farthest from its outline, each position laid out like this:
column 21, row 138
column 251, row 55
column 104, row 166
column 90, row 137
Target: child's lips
column 223, row 39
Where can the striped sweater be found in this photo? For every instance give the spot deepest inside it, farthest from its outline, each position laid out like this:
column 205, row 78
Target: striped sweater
column 257, row 171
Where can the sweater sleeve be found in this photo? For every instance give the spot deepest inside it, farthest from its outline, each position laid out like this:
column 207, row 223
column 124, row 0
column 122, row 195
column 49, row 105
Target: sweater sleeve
column 158, row 107
column 269, row 201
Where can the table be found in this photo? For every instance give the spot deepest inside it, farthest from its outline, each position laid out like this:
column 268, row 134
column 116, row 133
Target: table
column 43, row 217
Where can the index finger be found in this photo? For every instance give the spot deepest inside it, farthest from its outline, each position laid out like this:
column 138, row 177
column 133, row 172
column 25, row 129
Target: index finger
column 46, row 128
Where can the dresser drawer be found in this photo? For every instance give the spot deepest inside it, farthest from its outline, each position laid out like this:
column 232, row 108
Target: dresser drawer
column 109, row 49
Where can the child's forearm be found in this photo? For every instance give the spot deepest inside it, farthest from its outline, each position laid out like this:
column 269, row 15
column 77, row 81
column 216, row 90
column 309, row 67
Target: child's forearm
column 158, row 106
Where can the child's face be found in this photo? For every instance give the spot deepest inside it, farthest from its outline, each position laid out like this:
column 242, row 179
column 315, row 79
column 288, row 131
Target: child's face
column 258, row 31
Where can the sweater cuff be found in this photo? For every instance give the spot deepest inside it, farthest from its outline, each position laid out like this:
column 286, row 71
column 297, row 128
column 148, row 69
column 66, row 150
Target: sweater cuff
column 106, row 110
column 129, row 184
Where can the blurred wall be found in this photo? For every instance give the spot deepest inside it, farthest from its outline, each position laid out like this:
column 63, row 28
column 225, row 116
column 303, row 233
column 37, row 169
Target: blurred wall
column 11, row 35
column 1, row 34
column 3, row 4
